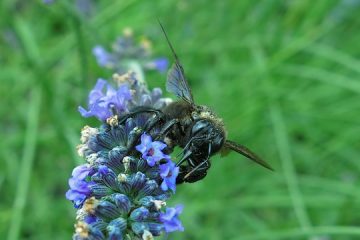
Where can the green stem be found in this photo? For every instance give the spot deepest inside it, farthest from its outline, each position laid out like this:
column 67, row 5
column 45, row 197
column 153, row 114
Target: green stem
column 26, row 164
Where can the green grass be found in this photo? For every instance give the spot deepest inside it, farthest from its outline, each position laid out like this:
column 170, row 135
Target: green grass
column 284, row 76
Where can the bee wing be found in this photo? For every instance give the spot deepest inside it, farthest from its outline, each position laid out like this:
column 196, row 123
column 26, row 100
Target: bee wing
column 247, row 153
column 176, row 82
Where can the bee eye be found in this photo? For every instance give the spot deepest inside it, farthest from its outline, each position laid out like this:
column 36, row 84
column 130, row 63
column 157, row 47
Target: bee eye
column 199, row 127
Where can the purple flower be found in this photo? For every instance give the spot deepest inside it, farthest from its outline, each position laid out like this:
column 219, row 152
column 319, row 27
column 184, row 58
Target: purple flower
column 151, row 151
column 85, row 7
column 103, row 58
column 161, row 64
column 104, row 105
column 103, row 170
column 79, row 187
column 170, row 219
column 81, row 172
column 48, row 1
column 168, row 173
column 125, row 50
column 89, row 219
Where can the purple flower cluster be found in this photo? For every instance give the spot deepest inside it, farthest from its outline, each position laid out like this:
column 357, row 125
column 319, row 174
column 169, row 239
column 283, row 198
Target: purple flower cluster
column 152, row 153
column 121, row 191
column 126, row 51
column 105, row 101
column 106, row 104
column 170, row 219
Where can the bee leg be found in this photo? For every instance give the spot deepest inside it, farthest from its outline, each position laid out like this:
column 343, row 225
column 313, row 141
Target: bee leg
column 166, row 128
column 184, row 158
column 140, row 110
column 191, row 172
column 182, row 172
column 200, row 169
column 188, row 145
column 197, row 173
column 150, row 124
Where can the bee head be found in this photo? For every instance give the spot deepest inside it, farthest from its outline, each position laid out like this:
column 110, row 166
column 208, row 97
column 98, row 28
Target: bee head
column 208, row 137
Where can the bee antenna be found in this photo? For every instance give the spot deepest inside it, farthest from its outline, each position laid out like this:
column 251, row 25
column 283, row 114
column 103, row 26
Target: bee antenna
column 247, row 153
column 168, row 41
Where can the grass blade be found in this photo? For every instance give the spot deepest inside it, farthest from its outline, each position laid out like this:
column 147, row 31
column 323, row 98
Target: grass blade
column 26, row 165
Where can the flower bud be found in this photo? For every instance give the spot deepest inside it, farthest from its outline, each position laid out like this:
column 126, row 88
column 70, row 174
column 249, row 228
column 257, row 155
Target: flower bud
column 108, row 177
column 116, row 228
column 139, row 214
column 100, row 190
column 138, row 227
column 124, row 183
column 147, row 201
column 115, row 156
column 138, row 181
column 148, row 189
column 122, row 202
column 119, row 223
column 155, row 228
column 142, row 165
column 107, row 210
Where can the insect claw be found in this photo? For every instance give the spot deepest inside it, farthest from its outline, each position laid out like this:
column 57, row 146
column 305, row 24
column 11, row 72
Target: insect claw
column 183, row 159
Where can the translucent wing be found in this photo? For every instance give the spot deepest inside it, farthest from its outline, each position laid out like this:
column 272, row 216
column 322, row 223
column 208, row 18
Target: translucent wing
column 247, row 153
column 176, row 82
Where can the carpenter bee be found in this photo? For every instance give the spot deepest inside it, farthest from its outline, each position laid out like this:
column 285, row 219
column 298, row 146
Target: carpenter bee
column 195, row 128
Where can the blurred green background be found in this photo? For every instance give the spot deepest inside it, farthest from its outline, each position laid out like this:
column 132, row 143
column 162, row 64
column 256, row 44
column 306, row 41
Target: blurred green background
column 284, row 76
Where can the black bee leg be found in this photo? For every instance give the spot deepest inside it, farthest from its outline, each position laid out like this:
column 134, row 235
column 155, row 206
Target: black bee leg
column 182, row 172
column 140, row 110
column 187, row 154
column 166, row 128
column 150, row 124
column 192, row 173
column 188, row 145
column 197, row 173
column 200, row 170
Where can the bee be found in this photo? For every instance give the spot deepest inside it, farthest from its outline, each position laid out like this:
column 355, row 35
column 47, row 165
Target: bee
column 194, row 128
column 199, row 131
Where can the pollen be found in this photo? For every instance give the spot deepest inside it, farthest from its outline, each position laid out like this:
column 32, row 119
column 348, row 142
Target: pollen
column 82, row 229
column 122, row 177
column 147, row 235
column 81, row 148
column 90, row 205
column 126, row 161
column 123, row 78
column 91, row 158
column 159, row 204
column 113, row 121
column 87, row 132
